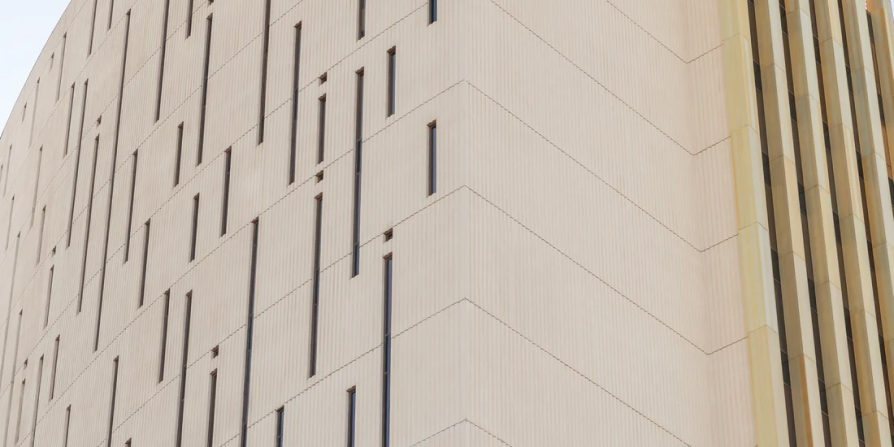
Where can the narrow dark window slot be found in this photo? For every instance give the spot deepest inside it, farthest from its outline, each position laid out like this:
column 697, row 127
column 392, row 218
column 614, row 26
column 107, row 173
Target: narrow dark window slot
column 249, row 333
column 92, row 28
column 184, row 361
column 12, row 208
column 68, row 121
column 352, row 408
column 61, row 66
column 74, row 186
column 280, row 426
column 19, row 413
column 145, row 264
column 321, row 129
column 112, row 403
column 392, row 68
column 161, row 61
column 87, row 224
column 164, row 336
column 204, row 101
column 211, row 405
column 178, row 154
column 189, row 18
column 111, row 14
column 46, row 312
column 432, row 157
column 34, row 110
column 358, row 160
column 262, row 110
column 36, row 185
column 432, row 11
column 133, row 187
column 105, row 243
column 36, row 400
column 53, row 368
column 225, row 206
column 386, row 354
column 66, row 426
column 195, row 227
column 296, row 87
column 43, row 222
column 315, row 299
column 361, row 19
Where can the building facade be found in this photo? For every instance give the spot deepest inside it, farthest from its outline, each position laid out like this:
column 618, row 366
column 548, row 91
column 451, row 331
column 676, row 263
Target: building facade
column 451, row 223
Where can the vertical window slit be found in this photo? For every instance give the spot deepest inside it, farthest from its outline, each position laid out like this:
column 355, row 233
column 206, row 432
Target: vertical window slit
column 432, row 157
column 211, row 404
column 164, row 336
column 112, row 402
column 34, row 110
column 392, row 67
column 361, row 19
column 19, row 413
column 74, row 186
column 178, row 154
column 68, row 121
column 204, row 100
column 92, row 27
column 46, row 312
column 184, row 359
column 315, row 299
column 66, row 426
column 226, row 191
column 321, row 130
column 36, row 400
column 15, row 263
column 111, row 14
column 43, row 221
column 279, row 426
column 36, row 185
column 296, row 86
column 432, row 11
column 145, row 263
column 195, row 227
column 250, row 318
column 358, row 159
column 87, row 224
column 61, row 66
column 161, row 62
column 352, row 408
column 133, row 187
column 12, row 207
column 52, row 389
column 266, row 48
column 386, row 354
column 189, row 18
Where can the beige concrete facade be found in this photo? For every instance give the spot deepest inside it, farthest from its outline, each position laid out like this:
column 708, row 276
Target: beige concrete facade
column 546, row 226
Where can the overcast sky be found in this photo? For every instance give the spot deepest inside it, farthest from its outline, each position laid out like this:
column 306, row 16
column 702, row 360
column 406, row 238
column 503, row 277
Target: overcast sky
column 25, row 26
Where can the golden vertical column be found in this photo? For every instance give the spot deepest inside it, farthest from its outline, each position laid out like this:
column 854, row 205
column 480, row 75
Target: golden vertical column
column 789, row 237
column 853, row 233
column 875, row 170
column 832, row 330
column 767, row 389
column 880, row 11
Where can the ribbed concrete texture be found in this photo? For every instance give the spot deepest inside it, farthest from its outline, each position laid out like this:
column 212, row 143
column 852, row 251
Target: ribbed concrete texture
column 374, row 223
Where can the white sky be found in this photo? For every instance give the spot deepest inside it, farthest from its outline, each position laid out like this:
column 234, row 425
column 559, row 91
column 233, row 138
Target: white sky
column 25, row 26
